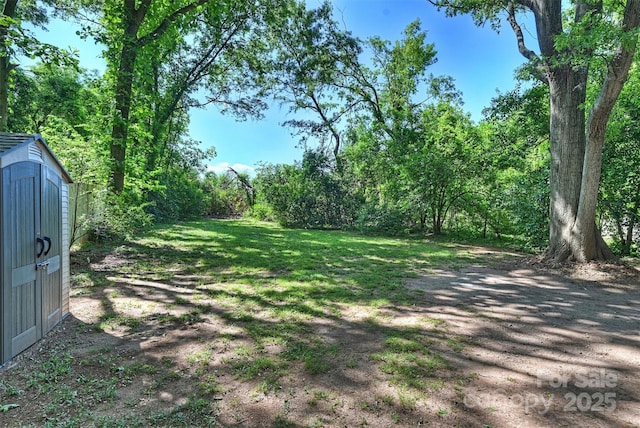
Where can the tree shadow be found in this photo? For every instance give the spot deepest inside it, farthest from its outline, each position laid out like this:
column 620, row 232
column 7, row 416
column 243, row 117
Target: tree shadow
column 561, row 352
column 243, row 324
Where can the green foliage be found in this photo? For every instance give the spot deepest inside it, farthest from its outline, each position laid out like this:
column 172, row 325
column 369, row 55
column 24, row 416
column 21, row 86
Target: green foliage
column 309, row 195
column 387, row 219
column 18, row 40
column 261, row 211
column 620, row 187
column 312, row 69
column 180, row 197
column 405, row 156
column 422, row 171
column 220, row 196
column 118, row 216
column 51, row 92
column 404, row 149
column 163, row 56
column 230, row 195
column 527, row 199
column 518, row 163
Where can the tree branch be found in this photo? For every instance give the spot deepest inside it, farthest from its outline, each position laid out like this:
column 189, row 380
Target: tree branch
column 164, row 25
column 539, row 70
column 522, row 47
column 141, row 11
column 617, row 73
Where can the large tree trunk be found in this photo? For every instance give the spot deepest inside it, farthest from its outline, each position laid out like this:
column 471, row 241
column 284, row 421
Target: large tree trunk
column 588, row 243
column 567, row 89
column 119, row 132
column 576, row 146
column 5, row 69
column 9, row 10
column 574, row 173
column 132, row 19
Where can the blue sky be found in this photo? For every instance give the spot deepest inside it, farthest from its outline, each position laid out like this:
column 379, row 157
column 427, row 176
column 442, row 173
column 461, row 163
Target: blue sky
column 479, row 59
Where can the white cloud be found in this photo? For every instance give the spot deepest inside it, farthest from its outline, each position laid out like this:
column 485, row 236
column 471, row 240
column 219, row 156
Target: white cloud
column 222, row 167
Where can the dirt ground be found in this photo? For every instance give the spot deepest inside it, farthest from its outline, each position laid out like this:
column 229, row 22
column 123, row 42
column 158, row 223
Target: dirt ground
column 547, row 348
column 539, row 347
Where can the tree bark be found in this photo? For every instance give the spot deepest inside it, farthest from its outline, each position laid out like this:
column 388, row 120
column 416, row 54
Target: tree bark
column 567, row 89
column 5, row 69
column 576, row 146
column 626, row 248
column 132, row 19
column 9, row 10
column 587, row 243
column 119, row 132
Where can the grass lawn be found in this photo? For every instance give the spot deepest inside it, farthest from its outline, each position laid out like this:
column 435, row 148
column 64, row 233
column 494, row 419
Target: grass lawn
column 210, row 323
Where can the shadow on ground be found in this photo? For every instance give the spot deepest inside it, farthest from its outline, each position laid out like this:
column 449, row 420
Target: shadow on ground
column 263, row 327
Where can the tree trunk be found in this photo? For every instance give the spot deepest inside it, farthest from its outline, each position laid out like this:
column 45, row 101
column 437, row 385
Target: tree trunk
column 5, row 69
column 574, row 173
column 576, row 149
column 588, row 243
column 119, row 132
column 124, row 86
column 626, row 243
column 5, row 65
column 567, row 92
column 628, row 240
column 133, row 17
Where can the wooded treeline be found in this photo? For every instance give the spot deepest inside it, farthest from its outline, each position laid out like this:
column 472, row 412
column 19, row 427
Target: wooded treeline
column 389, row 147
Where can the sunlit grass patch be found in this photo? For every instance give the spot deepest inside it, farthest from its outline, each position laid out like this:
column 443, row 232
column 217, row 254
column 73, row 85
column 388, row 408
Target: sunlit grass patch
column 408, row 399
column 435, row 323
column 112, row 321
column 82, row 280
column 317, row 357
column 196, row 412
column 209, row 385
column 456, row 343
column 139, row 367
column 274, row 332
column 408, row 361
column 401, row 344
column 251, row 368
column 200, row 357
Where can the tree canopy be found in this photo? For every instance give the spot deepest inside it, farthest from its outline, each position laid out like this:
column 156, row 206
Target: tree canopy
column 389, row 146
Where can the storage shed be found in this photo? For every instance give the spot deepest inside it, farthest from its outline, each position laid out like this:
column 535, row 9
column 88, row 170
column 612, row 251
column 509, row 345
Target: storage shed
column 34, row 232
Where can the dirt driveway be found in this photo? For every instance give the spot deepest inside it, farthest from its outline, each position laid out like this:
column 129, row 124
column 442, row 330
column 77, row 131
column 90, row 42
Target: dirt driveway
column 545, row 349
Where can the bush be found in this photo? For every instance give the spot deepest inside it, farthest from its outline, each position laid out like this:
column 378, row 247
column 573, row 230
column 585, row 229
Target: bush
column 117, row 216
column 176, row 196
column 382, row 219
column 227, row 194
column 261, row 211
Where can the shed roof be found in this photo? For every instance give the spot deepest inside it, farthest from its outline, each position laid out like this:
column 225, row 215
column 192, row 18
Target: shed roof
column 12, row 141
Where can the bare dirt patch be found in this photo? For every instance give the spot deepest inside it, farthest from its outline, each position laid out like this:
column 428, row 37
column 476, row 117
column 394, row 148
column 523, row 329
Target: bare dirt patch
column 522, row 345
column 545, row 348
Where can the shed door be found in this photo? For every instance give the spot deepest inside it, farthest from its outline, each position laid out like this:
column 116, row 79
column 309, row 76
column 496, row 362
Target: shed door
column 22, row 297
column 49, row 272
